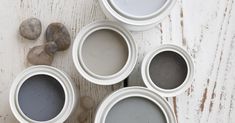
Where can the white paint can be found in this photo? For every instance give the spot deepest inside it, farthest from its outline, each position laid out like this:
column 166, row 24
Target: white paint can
column 134, row 105
column 168, row 70
column 137, row 15
column 42, row 94
column 104, row 53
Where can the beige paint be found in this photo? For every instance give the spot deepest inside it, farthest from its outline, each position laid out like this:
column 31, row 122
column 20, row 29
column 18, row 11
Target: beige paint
column 104, row 52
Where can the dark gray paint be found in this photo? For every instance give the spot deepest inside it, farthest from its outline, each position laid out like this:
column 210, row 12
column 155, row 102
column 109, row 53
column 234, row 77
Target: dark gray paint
column 135, row 110
column 168, row 70
column 41, row 98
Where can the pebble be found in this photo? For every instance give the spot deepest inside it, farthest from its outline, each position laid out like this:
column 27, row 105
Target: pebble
column 30, row 28
column 83, row 117
column 58, row 33
column 38, row 56
column 51, row 48
column 87, row 102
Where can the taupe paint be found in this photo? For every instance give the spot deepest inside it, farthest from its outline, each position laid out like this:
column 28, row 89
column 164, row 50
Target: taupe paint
column 139, row 7
column 41, row 98
column 135, row 110
column 168, row 70
column 105, row 52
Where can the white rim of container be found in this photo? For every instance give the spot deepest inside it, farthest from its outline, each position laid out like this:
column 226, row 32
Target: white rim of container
column 91, row 76
column 129, row 92
column 168, row 92
column 145, row 21
column 61, row 77
column 120, row 11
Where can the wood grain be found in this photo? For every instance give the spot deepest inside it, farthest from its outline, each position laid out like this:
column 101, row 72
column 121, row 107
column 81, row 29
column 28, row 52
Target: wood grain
column 206, row 28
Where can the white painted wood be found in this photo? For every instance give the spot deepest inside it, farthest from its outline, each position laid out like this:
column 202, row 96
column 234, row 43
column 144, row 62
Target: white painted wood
column 206, row 28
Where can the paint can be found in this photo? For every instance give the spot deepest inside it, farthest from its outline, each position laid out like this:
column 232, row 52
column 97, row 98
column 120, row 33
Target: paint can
column 134, row 105
column 137, row 15
column 42, row 94
column 168, row 70
column 104, row 53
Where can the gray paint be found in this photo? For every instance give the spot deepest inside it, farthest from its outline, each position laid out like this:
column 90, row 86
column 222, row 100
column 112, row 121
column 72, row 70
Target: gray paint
column 168, row 70
column 135, row 110
column 41, row 98
column 104, row 52
column 139, row 7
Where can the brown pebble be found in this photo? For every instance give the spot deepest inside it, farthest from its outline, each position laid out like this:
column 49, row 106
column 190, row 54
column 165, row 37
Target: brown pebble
column 87, row 102
column 58, row 33
column 51, row 48
column 38, row 56
column 30, row 28
column 83, row 117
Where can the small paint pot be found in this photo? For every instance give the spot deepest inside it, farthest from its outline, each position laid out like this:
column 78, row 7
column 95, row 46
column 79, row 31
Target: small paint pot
column 42, row 94
column 137, row 15
column 134, row 105
column 104, row 53
column 168, row 70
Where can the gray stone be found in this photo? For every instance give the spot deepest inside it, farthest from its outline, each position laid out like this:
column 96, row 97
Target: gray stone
column 87, row 102
column 38, row 56
column 58, row 33
column 30, row 28
column 51, row 48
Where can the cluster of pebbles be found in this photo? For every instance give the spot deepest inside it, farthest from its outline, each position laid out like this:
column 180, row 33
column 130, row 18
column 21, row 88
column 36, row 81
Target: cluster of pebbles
column 57, row 39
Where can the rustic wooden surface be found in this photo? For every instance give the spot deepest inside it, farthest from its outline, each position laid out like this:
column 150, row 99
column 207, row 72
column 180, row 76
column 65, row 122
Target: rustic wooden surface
column 206, row 28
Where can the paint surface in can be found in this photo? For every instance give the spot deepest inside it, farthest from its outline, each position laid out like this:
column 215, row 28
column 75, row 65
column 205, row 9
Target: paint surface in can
column 104, row 52
column 168, row 70
column 138, row 7
column 135, row 110
column 41, row 98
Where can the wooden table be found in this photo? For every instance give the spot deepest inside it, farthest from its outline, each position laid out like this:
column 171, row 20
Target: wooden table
column 206, row 28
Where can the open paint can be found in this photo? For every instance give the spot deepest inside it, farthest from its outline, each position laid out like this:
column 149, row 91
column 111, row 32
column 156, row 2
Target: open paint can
column 137, row 15
column 168, row 70
column 104, row 53
column 134, row 105
column 42, row 94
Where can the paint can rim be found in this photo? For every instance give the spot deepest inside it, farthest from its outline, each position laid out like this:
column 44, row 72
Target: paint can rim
column 137, row 23
column 64, row 80
column 168, row 92
column 140, row 92
column 93, row 77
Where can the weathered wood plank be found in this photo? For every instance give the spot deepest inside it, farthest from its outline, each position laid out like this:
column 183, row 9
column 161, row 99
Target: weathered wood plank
column 205, row 28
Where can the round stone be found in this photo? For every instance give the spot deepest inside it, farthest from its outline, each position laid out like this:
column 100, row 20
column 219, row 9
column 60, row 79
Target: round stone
column 30, row 28
column 38, row 56
column 87, row 102
column 58, row 33
column 83, row 116
column 51, row 48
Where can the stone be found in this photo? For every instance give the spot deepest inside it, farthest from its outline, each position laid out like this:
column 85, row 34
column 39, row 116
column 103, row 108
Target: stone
column 38, row 56
column 30, row 28
column 51, row 48
column 58, row 33
column 87, row 102
column 83, row 117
